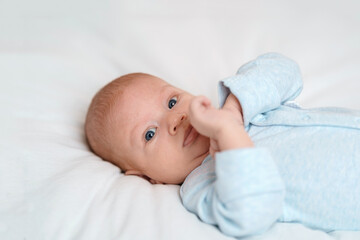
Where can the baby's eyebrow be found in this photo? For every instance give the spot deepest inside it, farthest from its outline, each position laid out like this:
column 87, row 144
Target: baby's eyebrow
column 164, row 89
column 133, row 135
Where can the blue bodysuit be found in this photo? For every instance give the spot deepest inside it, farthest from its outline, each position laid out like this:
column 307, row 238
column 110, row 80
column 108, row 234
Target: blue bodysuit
column 304, row 168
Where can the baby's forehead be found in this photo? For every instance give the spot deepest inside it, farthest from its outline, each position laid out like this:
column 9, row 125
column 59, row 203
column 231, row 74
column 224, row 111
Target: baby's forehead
column 138, row 95
column 141, row 102
column 146, row 89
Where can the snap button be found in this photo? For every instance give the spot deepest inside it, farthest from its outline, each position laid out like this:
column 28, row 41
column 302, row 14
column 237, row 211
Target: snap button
column 306, row 117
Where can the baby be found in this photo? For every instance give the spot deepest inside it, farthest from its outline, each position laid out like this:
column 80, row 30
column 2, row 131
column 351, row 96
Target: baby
column 256, row 160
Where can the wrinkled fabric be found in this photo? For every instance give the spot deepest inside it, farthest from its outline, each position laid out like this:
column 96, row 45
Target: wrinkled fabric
column 305, row 166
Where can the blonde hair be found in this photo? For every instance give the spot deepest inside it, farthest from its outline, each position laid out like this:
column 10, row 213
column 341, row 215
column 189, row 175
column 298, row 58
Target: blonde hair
column 100, row 118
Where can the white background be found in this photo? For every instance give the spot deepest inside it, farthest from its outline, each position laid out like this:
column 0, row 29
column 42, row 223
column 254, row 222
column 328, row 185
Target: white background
column 54, row 56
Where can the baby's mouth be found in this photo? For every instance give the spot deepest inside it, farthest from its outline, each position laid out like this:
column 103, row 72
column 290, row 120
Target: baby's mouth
column 190, row 135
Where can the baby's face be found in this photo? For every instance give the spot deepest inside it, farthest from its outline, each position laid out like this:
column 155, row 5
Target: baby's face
column 154, row 134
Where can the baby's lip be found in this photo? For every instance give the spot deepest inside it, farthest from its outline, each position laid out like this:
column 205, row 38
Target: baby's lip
column 190, row 135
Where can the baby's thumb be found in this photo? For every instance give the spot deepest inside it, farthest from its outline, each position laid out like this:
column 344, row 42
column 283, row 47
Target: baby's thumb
column 198, row 114
column 198, row 104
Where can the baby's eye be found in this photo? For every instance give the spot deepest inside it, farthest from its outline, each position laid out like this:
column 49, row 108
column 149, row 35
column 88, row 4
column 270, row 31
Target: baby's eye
column 172, row 102
column 150, row 134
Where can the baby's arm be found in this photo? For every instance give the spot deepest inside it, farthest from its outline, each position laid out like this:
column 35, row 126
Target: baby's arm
column 242, row 192
column 263, row 84
column 223, row 126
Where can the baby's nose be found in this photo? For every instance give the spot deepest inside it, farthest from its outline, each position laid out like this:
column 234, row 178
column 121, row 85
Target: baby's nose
column 176, row 122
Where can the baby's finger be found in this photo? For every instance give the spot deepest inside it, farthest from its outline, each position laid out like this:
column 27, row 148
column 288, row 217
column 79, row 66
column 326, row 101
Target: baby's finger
column 203, row 116
column 214, row 145
column 205, row 101
column 197, row 108
column 199, row 103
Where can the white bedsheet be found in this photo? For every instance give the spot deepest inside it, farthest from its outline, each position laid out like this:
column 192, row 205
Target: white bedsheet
column 54, row 56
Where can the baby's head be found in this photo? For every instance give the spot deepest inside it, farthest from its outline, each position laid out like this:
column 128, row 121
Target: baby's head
column 140, row 123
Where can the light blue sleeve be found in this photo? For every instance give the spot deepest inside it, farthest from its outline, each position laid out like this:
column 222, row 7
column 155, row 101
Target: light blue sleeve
column 241, row 192
column 263, row 84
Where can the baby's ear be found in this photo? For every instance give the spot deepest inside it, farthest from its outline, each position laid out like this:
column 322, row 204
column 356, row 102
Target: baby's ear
column 155, row 181
column 134, row 172
column 139, row 174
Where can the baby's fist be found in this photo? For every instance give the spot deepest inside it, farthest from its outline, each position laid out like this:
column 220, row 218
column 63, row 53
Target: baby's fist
column 201, row 112
column 206, row 119
column 222, row 126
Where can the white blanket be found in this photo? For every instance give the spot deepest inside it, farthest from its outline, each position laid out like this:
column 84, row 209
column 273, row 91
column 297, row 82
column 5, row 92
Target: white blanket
column 54, row 56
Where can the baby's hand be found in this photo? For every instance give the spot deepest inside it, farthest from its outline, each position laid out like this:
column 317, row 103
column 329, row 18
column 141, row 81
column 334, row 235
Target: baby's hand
column 223, row 127
column 208, row 120
column 233, row 105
